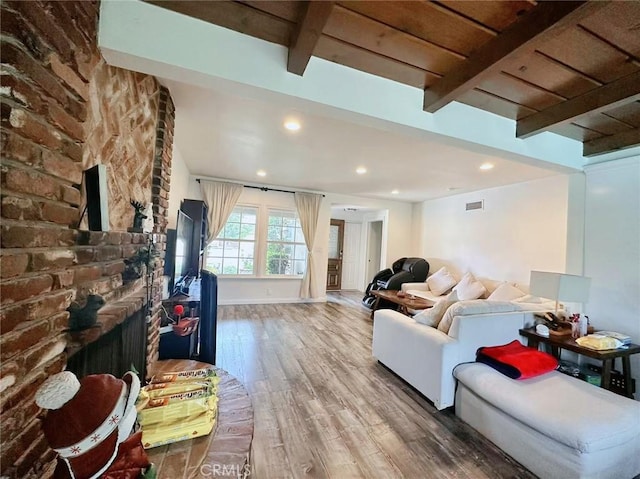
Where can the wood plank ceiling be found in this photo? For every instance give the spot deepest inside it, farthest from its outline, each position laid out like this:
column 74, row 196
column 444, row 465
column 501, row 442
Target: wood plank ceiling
column 572, row 68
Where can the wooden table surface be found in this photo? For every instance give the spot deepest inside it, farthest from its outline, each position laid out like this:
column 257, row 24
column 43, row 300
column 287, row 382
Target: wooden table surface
column 226, row 450
column 405, row 302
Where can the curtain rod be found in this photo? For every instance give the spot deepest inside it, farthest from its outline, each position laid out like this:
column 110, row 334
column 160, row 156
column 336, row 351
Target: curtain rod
column 262, row 188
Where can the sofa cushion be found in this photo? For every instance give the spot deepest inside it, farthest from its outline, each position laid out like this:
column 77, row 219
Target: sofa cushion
column 505, row 292
column 566, row 409
column 433, row 316
column 469, row 288
column 441, row 281
column 476, row 306
column 531, row 299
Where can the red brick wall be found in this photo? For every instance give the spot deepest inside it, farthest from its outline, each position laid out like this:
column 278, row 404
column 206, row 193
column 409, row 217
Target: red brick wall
column 122, row 110
column 160, row 201
column 62, row 109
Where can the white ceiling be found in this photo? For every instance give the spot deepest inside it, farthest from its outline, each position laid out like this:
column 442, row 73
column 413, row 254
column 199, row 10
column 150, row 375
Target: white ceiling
column 223, row 135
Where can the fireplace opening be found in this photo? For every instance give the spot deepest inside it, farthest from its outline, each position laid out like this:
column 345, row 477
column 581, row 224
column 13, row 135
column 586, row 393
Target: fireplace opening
column 122, row 349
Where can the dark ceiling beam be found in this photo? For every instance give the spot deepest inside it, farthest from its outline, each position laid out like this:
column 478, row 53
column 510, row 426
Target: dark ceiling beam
column 547, row 19
column 606, row 144
column 307, row 34
column 609, row 96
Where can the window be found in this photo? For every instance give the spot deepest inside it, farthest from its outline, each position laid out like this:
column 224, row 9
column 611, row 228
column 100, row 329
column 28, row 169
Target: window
column 233, row 251
column 286, row 250
column 259, row 241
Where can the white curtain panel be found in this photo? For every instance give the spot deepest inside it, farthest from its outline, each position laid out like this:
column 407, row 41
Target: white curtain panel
column 220, row 198
column 308, row 206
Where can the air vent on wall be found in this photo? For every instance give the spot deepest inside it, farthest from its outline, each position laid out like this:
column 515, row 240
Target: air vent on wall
column 475, row 205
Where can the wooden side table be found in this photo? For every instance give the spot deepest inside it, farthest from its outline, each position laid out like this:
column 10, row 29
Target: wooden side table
column 405, row 303
column 558, row 343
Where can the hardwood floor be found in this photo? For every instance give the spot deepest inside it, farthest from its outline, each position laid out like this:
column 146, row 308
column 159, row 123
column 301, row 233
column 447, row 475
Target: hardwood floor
column 324, row 408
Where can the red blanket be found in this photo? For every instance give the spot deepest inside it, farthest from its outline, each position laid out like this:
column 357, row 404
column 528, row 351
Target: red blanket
column 517, row 361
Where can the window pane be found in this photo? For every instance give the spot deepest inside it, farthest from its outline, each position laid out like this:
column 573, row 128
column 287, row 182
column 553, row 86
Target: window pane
column 334, row 236
column 232, row 231
column 246, row 266
column 288, row 234
column 214, row 264
column 230, row 266
column 289, row 221
column 215, row 248
column 273, row 234
column 249, row 216
column 231, row 249
column 248, row 232
column 234, row 216
column 277, row 258
column 246, row 250
column 300, row 252
column 299, row 267
column 274, row 219
column 299, row 236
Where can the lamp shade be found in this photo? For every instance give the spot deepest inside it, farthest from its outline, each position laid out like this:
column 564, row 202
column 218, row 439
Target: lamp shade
column 560, row 286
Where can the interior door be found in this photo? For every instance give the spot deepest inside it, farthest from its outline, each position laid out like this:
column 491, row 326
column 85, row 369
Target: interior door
column 351, row 263
column 334, row 267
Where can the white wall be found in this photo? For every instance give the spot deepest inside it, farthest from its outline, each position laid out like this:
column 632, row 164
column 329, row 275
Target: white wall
column 522, row 227
column 179, row 186
column 280, row 290
column 612, row 249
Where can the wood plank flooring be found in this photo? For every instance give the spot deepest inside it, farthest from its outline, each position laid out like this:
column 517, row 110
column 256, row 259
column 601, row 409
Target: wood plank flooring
column 324, row 408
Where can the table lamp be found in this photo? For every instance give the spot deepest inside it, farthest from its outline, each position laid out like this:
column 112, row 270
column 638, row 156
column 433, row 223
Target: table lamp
column 560, row 287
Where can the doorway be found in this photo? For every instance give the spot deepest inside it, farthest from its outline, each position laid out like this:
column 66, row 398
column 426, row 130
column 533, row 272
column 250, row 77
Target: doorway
column 374, row 248
column 334, row 266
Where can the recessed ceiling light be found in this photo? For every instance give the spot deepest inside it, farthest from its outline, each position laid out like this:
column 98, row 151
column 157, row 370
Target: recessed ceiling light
column 486, row 166
column 292, row 125
column 395, row 192
column 261, row 173
column 361, row 170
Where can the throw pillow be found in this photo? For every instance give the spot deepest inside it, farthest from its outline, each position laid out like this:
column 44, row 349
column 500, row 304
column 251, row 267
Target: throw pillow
column 505, row 292
column 432, row 316
column 441, row 281
column 469, row 288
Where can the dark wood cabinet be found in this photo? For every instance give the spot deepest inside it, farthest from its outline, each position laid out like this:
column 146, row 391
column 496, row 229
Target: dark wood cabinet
column 197, row 211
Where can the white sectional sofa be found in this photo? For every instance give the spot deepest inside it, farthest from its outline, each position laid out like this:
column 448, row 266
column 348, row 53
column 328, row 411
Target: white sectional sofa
column 556, row 426
column 425, row 357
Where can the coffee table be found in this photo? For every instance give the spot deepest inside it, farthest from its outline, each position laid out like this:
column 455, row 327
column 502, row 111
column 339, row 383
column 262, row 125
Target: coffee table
column 405, row 303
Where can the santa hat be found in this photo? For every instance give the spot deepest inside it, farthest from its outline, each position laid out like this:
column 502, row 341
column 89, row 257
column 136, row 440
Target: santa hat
column 88, row 419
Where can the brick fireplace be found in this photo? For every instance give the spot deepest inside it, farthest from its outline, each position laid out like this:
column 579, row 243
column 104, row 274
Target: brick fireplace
column 63, row 110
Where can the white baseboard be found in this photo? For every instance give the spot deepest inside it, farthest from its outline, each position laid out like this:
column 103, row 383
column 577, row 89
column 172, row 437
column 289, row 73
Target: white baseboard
column 231, row 302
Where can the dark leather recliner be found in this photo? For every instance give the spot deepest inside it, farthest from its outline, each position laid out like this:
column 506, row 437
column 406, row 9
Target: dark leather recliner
column 404, row 270
column 412, row 270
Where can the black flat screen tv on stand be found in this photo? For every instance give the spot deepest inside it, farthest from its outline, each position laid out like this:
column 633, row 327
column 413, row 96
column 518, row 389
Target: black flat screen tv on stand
column 181, row 275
